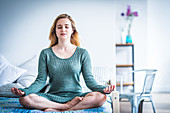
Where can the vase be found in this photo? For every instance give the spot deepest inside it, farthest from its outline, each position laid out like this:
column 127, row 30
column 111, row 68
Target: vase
column 128, row 39
column 123, row 36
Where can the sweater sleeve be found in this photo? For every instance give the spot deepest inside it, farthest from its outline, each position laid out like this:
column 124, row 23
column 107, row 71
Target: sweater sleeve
column 40, row 81
column 87, row 74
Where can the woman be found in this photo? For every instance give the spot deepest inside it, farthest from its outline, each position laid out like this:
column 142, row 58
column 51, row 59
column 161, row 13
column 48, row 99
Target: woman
column 63, row 62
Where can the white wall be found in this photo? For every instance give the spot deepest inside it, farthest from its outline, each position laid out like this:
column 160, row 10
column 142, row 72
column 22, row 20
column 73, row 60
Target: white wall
column 158, row 42
column 25, row 25
column 151, row 38
column 139, row 38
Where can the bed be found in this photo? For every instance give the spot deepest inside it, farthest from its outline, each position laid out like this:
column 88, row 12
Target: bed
column 23, row 75
column 12, row 105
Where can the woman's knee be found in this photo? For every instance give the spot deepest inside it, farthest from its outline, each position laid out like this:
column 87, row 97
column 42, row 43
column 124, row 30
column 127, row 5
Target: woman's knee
column 27, row 100
column 99, row 98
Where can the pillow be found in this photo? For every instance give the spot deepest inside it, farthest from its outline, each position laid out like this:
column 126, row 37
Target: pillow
column 3, row 62
column 5, row 90
column 101, row 74
column 8, row 72
column 29, row 77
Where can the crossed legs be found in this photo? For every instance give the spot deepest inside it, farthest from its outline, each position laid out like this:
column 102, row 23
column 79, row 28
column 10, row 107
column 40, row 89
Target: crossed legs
column 91, row 100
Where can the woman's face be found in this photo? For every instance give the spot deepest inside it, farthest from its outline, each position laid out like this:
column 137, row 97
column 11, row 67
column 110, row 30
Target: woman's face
column 64, row 28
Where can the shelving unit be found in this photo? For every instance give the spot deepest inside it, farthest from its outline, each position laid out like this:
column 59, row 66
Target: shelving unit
column 131, row 65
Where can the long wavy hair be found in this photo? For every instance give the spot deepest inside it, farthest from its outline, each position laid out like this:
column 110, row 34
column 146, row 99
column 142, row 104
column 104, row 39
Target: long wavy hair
column 74, row 36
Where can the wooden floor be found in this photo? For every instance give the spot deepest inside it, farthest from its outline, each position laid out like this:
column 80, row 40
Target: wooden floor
column 161, row 103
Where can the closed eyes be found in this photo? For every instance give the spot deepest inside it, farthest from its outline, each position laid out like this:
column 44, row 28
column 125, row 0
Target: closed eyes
column 66, row 26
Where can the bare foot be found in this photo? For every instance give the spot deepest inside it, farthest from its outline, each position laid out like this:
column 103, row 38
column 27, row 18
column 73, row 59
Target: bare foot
column 73, row 102
column 69, row 104
column 50, row 109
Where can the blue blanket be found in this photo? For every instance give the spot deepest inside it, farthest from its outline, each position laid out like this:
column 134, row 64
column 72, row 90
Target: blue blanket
column 12, row 105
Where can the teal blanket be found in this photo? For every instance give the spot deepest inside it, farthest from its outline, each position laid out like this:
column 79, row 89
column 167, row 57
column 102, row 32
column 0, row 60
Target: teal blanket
column 12, row 105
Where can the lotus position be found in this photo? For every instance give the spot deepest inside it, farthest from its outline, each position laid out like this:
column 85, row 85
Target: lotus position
column 63, row 62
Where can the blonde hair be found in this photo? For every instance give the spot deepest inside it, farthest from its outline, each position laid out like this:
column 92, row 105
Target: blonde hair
column 74, row 36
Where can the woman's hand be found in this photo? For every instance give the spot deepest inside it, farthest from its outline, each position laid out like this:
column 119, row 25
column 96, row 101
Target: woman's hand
column 17, row 92
column 109, row 89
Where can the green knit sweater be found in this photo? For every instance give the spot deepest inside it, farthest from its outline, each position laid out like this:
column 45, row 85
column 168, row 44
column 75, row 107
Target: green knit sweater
column 64, row 76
